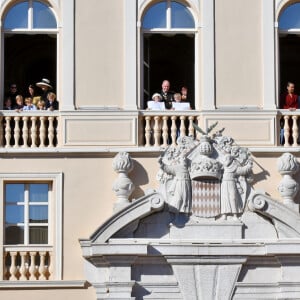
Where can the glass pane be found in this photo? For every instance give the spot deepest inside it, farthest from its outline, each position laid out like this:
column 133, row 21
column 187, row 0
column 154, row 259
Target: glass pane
column 17, row 16
column 14, row 235
column 14, row 192
column 43, row 16
column 14, row 214
column 181, row 17
column 290, row 17
column 155, row 17
column 38, row 235
column 38, row 192
column 38, row 214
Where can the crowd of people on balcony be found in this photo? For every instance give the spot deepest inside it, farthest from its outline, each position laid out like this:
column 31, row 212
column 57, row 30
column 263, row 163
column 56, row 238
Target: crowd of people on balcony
column 169, row 100
column 45, row 99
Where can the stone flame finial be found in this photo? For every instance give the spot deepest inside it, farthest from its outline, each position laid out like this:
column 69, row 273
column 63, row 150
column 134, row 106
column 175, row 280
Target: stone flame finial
column 287, row 166
column 122, row 186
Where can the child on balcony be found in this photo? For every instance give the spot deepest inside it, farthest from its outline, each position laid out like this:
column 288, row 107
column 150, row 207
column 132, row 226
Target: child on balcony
column 52, row 103
column 19, row 103
column 156, row 103
column 28, row 104
column 41, row 105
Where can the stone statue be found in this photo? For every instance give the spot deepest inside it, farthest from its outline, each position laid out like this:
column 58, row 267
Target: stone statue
column 180, row 191
column 174, row 176
column 235, row 164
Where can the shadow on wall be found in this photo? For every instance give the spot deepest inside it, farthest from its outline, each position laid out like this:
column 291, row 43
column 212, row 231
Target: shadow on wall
column 139, row 177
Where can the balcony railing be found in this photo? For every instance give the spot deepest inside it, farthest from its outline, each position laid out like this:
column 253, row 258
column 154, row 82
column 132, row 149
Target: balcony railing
column 29, row 129
column 43, row 130
column 163, row 128
column 27, row 263
column 288, row 125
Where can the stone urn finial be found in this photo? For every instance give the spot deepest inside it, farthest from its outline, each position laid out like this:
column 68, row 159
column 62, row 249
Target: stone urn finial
column 287, row 166
column 122, row 186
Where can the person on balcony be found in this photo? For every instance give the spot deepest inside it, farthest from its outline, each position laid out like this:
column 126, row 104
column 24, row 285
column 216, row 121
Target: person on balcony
column 288, row 100
column 12, row 93
column 167, row 95
column 33, row 94
column 19, row 103
column 51, row 103
column 156, row 103
column 8, row 104
column 41, row 105
column 28, row 104
column 46, row 87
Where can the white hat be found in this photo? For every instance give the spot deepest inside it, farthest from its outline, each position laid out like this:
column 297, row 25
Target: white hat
column 44, row 82
column 157, row 95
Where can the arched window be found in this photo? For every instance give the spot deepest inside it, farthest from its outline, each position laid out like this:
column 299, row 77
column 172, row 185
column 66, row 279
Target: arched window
column 289, row 46
column 168, row 37
column 30, row 44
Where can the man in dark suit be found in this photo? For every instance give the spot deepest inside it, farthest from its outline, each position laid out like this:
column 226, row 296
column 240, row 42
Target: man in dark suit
column 167, row 95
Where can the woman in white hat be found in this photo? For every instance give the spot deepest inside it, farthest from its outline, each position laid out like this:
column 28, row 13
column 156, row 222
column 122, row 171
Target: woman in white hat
column 46, row 87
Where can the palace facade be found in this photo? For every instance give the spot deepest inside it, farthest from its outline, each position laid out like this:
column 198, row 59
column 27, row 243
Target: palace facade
column 86, row 203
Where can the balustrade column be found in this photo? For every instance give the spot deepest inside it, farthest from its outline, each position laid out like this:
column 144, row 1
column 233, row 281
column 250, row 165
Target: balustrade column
column 32, row 267
column 51, row 264
column 286, row 131
column 17, row 132
column 7, row 132
column 182, row 126
column 42, row 132
column 13, row 270
column 173, row 130
column 156, row 131
column 191, row 127
column 295, row 131
column 42, row 267
column 23, row 267
column 33, row 132
column 25, row 132
column 51, row 132
column 165, row 131
column 147, row 131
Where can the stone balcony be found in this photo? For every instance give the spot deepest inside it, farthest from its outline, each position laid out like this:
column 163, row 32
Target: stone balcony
column 110, row 130
column 32, row 263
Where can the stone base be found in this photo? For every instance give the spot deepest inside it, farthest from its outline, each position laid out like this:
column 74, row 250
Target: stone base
column 208, row 230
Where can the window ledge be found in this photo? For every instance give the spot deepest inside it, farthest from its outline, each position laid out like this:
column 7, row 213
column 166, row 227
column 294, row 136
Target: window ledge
column 49, row 284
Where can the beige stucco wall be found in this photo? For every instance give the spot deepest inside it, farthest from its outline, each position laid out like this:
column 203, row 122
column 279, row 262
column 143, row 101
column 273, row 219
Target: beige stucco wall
column 99, row 53
column 238, row 53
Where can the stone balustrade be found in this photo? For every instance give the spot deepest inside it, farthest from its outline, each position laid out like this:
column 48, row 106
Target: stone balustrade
column 289, row 128
column 26, row 263
column 163, row 128
column 28, row 129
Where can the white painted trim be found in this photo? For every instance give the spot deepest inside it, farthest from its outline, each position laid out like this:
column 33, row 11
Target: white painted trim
column 66, row 44
column 57, row 181
column 45, row 284
column 208, row 56
column 268, row 59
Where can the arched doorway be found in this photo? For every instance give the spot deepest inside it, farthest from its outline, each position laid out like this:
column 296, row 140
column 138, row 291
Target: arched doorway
column 30, row 45
column 168, row 43
column 289, row 47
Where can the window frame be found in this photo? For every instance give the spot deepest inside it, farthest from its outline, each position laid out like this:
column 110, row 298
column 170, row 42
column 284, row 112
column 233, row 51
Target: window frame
column 27, row 204
column 55, row 213
column 203, row 12
column 64, row 12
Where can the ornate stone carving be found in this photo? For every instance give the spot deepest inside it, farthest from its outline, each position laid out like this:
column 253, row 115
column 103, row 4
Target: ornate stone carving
column 287, row 166
column 122, row 186
column 206, row 178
